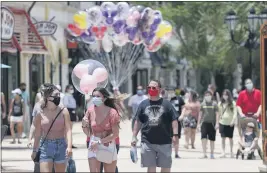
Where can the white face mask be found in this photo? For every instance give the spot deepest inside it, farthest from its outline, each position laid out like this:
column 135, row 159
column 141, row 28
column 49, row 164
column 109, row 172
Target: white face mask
column 71, row 91
column 249, row 86
column 208, row 98
column 225, row 97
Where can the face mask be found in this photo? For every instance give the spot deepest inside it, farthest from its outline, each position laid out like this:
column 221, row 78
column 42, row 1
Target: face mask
column 225, row 98
column 208, row 98
column 97, row 101
column 139, row 92
column 153, row 93
column 56, row 100
column 23, row 89
column 249, row 86
column 71, row 91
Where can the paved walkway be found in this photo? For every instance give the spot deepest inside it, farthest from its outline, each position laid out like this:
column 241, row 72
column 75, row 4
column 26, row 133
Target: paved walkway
column 16, row 157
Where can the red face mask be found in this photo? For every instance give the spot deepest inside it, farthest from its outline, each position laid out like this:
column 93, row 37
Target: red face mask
column 153, row 92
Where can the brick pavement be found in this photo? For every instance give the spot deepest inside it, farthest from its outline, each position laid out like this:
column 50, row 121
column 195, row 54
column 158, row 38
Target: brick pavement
column 16, row 157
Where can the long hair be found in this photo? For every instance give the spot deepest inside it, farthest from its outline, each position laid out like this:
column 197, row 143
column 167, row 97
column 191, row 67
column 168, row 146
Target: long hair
column 230, row 99
column 110, row 102
column 193, row 95
column 47, row 91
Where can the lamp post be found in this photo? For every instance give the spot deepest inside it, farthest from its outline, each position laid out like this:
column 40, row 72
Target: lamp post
column 253, row 19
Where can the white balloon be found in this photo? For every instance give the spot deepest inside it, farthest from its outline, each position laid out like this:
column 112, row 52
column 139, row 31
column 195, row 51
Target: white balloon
column 107, row 44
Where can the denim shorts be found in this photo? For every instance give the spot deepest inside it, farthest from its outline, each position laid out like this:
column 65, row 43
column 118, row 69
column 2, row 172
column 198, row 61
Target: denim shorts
column 53, row 150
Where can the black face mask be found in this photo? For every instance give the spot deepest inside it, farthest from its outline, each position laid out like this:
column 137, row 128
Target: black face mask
column 56, row 100
column 23, row 89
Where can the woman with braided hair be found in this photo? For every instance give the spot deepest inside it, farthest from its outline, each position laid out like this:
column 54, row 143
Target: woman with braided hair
column 52, row 132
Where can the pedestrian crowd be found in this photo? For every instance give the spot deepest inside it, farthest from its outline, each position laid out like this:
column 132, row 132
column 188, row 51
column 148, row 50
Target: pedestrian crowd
column 160, row 116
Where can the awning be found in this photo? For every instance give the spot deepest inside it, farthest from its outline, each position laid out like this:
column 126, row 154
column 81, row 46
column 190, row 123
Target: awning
column 5, row 66
column 26, row 34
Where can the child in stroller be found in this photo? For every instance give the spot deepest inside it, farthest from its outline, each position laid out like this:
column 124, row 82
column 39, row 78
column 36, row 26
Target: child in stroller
column 250, row 136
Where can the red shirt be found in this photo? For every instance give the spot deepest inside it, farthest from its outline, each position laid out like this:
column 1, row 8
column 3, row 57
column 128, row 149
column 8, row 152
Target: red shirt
column 117, row 140
column 249, row 102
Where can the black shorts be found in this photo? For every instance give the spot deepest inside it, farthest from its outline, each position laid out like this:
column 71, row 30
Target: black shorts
column 72, row 114
column 208, row 131
column 179, row 129
column 226, row 131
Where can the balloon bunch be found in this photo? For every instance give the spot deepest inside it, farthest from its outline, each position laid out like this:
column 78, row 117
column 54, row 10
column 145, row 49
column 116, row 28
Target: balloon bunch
column 89, row 74
column 119, row 24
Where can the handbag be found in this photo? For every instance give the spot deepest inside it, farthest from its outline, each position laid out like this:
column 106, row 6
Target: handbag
column 71, row 167
column 105, row 154
column 37, row 158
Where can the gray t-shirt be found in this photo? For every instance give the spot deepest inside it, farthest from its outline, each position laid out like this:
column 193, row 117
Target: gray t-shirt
column 209, row 112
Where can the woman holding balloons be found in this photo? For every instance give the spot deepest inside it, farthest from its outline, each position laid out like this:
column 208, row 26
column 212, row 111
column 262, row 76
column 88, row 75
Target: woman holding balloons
column 101, row 123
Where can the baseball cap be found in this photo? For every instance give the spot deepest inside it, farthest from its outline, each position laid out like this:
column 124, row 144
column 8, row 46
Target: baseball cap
column 251, row 125
column 16, row 91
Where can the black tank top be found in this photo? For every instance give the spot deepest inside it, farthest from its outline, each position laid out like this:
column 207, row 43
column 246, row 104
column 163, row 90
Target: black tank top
column 17, row 109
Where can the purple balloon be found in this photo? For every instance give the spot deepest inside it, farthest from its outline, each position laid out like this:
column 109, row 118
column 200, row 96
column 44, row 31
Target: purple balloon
column 113, row 13
column 157, row 21
column 153, row 27
column 119, row 26
column 87, row 38
column 109, row 20
column 144, row 34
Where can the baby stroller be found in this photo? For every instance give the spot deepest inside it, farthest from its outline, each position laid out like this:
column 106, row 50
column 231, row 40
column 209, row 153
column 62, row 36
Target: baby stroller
column 248, row 145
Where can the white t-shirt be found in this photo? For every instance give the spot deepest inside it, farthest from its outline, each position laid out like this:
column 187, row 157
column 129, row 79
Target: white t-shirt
column 135, row 101
column 37, row 108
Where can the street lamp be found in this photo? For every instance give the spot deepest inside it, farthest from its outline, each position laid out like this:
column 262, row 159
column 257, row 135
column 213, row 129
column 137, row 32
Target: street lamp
column 253, row 20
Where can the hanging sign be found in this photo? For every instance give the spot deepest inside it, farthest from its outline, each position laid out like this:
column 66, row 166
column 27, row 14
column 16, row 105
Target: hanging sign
column 7, row 24
column 46, row 28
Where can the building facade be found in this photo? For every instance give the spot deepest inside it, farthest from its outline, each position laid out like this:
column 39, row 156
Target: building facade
column 34, row 57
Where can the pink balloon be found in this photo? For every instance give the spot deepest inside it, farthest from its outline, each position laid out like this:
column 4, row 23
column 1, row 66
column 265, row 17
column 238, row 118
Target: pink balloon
column 88, row 84
column 136, row 15
column 100, row 74
column 80, row 70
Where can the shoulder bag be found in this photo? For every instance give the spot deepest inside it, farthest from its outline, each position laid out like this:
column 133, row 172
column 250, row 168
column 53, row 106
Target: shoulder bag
column 37, row 158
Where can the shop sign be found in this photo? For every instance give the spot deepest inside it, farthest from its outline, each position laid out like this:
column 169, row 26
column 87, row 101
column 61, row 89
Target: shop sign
column 7, row 24
column 46, row 28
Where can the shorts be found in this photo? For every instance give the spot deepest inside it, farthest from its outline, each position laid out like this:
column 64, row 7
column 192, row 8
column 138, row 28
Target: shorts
column 190, row 122
column 53, row 150
column 92, row 154
column 72, row 114
column 226, row 131
column 154, row 155
column 208, row 131
column 16, row 119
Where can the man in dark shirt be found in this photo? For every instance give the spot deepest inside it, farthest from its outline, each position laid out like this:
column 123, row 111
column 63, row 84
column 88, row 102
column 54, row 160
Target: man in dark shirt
column 178, row 103
column 157, row 119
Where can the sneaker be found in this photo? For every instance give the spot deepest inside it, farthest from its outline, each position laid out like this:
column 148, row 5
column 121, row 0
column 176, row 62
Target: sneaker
column 74, row 146
column 193, row 147
column 19, row 142
column 177, row 156
column 23, row 135
column 232, row 155
column 212, row 156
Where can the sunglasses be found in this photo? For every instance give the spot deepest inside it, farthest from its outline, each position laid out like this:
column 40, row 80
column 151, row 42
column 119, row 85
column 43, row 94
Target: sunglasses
column 153, row 88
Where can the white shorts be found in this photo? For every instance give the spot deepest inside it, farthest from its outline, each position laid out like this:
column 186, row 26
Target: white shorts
column 16, row 119
column 92, row 154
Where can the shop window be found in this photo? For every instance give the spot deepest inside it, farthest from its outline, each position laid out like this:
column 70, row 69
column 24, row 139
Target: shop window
column 36, row 75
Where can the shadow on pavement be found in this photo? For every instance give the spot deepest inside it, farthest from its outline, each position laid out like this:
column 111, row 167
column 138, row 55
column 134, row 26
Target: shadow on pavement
column 15, row 148
column 13, row 169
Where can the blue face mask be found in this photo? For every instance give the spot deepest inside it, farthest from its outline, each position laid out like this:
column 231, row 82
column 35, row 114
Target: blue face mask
column 97, row 101
column 140, row 92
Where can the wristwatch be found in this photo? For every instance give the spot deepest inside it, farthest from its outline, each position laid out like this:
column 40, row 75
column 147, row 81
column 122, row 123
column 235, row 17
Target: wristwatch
column 34, row 150
column 175, row 135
